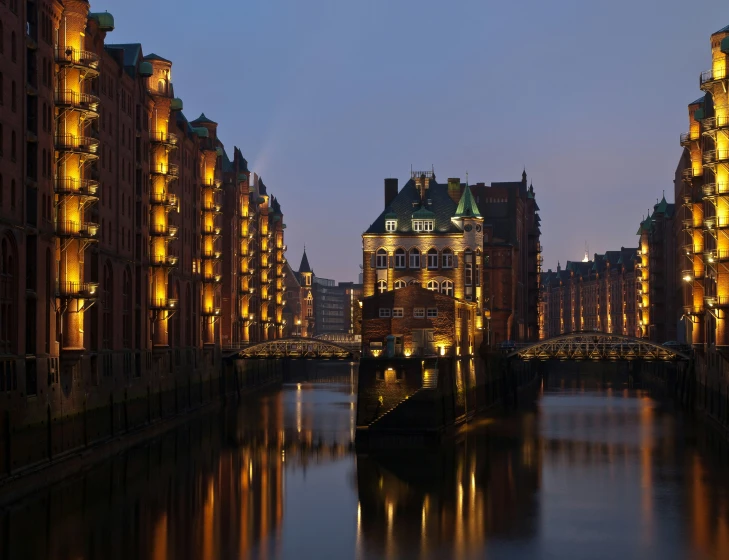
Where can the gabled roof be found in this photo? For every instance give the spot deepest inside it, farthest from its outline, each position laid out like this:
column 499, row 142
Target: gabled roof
column 407, row 204
column 467, row 207
column 722, row 30
column 153, row 56
column 202, row 119
column 304, row 266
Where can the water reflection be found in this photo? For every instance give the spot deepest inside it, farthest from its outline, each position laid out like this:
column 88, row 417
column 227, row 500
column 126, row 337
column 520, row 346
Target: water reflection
column 588, row 473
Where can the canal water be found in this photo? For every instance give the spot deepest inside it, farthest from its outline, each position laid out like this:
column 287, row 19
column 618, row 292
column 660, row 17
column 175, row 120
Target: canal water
column 593, row 470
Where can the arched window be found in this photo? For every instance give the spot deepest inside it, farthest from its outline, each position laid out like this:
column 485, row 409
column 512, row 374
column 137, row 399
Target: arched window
column 432, row 258
column 13, row 147
column 8, row 296
column 2, row 38
column 447, row 287
column 413, row 283
column 399, row 284
column 161, row 86
column 381, row 258
column 400, row 258
column 188, row 316
column 309, row 298
column 382, row 286
column 12, row 193
column 107, row 304
column 13, row 47
column 13, row 97
column 433, row 285
column 414, row 258
column 447, row 258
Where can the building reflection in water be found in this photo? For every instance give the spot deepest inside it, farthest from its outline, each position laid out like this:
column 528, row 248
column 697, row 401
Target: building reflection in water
column 213, row 489
column 449, row 503
column 541, row 483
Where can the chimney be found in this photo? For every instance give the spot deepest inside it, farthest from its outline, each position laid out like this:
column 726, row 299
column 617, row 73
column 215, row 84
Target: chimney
column 390, row 191
column 454, row 189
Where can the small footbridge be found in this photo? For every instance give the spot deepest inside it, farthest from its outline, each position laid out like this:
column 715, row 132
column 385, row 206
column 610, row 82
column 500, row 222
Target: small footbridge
column 598, row 346
column 302, row 348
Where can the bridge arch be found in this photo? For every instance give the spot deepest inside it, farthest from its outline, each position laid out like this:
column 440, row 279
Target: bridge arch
column 597, row 346
column 297, row 348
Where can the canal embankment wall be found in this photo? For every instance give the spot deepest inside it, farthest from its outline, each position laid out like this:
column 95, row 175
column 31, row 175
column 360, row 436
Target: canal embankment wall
column 82, row 420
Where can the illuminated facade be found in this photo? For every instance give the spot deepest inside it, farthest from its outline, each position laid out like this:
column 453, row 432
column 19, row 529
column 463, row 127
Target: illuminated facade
column 593, row 295
column 705, row 198
column 255, row 270
column 112, row 251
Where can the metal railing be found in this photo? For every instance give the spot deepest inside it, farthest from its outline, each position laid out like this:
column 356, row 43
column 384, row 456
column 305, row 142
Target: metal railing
column 713, row 156
column 67, row 228
column 85, row 290
column 712, row 75
column 160, row 137
column 69, row 55
column 77, row 99
column 71, row 143
column 164, row 260
column 169, row 169
column 76, row 187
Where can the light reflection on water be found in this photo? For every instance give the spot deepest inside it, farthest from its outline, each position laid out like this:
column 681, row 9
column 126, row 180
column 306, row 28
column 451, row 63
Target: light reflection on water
column 587, row 473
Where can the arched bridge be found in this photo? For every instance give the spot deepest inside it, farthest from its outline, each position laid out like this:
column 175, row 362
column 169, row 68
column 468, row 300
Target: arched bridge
column 298, row 348
column 597, row 346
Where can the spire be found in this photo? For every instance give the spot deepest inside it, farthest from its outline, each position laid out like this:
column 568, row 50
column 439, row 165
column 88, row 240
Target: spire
column 467, row 207
column 524, row 176
column 304, row 266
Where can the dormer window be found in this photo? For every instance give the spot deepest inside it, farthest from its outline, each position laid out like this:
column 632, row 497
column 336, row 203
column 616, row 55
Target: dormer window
column 423, row 225
column 390, row 225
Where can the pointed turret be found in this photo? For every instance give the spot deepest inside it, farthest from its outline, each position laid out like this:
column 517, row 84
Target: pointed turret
column 467, row 207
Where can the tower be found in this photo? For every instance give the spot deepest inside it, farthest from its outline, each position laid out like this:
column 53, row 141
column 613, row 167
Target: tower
column 306, row 278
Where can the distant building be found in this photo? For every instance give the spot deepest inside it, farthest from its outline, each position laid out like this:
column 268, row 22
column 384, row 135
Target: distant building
column 594, row 295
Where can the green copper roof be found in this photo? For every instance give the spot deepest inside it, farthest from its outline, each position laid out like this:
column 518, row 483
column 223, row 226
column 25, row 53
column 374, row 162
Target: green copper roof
column 145, row 69
column 699, row 101
column 645, row 226
column 725, row 45
column 104, row 19
column 467, row 206
column 699, row 114
column 662, row 206
column 423, row 214
column 390, row 215
column 176, row 104
column 201, row 131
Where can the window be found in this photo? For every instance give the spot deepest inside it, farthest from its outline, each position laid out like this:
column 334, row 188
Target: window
column 397, row 312
column 2, row 89
column 447, row 287
column 432, row 258
column 384, row 312
column 400, row 258
column 423, row 225
column 381, row 258
column 382, row 286
column 13, row 147
column 414, row 258
column 432, row 312
column 419, row 312
column 433, row 285
column 468, row 257
column 447, row 258
column 399, row 284
column 13, row 95
column 390, row 225
column 13, row 48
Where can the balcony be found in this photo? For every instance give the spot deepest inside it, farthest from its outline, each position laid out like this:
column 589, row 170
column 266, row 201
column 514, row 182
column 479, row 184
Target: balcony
column 76, row 100
column 75, row 57
column 77, row 290
column 162, row 230
column 687, row 174
column 210, row 311
column 211, row 230
column 710, row 76
column 163, row 303
column 716, row 301
column 715, row 123
column 164, row 138
column 81, row 230
column 76, row 144
column 164, row 199
column 688, row 223
column 167, row 169
column 212, row 277
column 687, row 138
column 76, row 187
column 211, row 207
column 164, row 260
column 211, row 255
column 716, row 156
column 713, row 189
column 213, row 184
column 716, row 222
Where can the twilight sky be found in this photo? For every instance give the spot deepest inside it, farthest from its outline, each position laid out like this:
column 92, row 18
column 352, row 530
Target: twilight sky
column 326, row 98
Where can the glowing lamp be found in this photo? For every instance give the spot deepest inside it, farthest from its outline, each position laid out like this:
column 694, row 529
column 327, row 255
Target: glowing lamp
column 687, row 278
